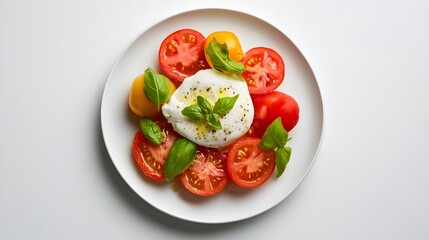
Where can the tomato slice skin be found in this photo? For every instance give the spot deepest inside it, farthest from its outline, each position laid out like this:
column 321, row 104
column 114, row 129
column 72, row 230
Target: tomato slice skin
column 265, row 70
column 248, row 165
column 272, row 105
column 181, row 54
column 207, row 176
column 151, row 158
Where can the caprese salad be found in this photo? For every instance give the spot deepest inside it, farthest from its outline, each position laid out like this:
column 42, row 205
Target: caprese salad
column 212, row 114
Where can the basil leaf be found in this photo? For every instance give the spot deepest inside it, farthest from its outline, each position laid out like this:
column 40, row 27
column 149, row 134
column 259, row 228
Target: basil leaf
column 275, row 136
column 151, row 131
column 205, row 105
column 156, row 87
column 219, row 57
column 282, row 159
column 180, row 157
column 224, row 105
column 205, row 112
column 214, row 121
column 194, row 112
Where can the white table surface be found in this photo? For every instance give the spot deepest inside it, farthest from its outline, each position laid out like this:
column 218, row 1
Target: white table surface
column 370, row 180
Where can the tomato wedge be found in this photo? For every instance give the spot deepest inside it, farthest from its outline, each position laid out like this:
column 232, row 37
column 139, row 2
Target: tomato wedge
column 151, row 158
column 248, row 165
column 207, row 176
column 265, row 70
column 181, row 54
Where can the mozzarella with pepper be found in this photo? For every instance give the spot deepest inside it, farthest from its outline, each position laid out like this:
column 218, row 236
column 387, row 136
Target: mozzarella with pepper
column 211, row 85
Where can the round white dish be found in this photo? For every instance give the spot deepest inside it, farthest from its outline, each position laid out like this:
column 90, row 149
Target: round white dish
column 234, row 203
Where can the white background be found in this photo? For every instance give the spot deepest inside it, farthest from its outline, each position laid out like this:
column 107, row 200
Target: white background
column 370, row 180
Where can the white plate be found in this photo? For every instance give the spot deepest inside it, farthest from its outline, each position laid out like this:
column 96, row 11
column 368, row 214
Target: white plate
column 234, row 203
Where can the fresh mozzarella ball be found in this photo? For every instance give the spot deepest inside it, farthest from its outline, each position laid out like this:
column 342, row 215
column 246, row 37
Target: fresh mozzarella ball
column 211, row 85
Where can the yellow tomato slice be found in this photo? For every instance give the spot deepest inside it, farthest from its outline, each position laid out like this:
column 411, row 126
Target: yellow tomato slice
column 138, row 101
column 232, row 42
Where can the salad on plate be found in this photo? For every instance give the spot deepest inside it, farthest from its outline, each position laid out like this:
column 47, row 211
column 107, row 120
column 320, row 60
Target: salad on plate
column 212, row 115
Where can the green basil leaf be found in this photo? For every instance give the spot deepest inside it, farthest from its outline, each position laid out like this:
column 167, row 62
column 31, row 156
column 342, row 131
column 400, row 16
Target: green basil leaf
column 194, row 112
column 205, row 112
column 156, row 87
column 151, row 131
column 205, row 105
column 213, row 120
column 219, row 57
column 282, row 159
column 275, row 136
column 224, row 105
column 180, row 157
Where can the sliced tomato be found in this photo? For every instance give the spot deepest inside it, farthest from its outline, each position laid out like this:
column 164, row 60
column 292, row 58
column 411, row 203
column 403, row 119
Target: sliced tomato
column 231, row 41
column 181, row 54
column 265, row 70
column 248, row 165
column 207, row 176
column 139, row 103
column 151, row 158
column 272, row 105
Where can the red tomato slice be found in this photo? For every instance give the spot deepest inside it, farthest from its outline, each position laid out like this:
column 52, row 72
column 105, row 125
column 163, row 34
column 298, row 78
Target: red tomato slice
column 272, row 105
column 181, row 54
column 248, row 165
column 151, row 158
column 265, row 70
column 207, row 176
